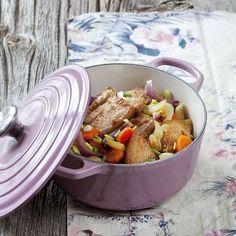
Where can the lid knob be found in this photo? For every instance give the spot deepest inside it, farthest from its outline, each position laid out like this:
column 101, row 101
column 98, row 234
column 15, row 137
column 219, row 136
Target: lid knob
column 9, row 125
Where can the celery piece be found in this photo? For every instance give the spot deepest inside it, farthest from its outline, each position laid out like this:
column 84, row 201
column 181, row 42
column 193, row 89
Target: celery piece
column 150, row 160
column 156, row 152
column 153, row 102
column 89, row 146
column 115, row 145
column 128, row 122
column 127, row 94
column 94, row 158
column 108, row 136
column 75, row 150
column 97, row 139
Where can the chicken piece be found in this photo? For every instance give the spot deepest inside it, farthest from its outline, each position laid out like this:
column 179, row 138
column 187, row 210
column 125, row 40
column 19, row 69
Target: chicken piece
column 99, row 100
column 138, row 149
column 138, row 98
column 110, row 115
column 140, row 118
column 94, row 114
column 172, row 130
column 108, row 111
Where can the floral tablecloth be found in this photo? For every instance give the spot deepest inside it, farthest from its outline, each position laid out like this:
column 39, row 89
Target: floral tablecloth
column 207, row 204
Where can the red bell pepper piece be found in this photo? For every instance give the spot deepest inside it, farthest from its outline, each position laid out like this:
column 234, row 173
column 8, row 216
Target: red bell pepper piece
column 125, row 135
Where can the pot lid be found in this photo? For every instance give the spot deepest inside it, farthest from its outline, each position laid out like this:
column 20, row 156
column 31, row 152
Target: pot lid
column 36, row 135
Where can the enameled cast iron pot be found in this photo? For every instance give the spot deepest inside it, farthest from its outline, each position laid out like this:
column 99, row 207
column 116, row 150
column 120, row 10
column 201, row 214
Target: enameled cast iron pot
column 35, row 138
column 136, row 186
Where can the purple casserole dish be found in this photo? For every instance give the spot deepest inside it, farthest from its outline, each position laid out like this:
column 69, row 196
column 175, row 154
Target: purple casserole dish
column 137, row 186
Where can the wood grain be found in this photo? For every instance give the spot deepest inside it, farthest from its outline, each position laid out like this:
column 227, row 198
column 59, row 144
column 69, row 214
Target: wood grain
column 214, row 5
column 3, row 66
column 149, row 6
column 32, row 44
column 44, row 215
column 78, row 7
column 18, row 65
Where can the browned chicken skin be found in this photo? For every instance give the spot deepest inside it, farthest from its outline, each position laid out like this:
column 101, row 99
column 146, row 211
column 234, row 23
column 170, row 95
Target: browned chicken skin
column 140, row 118
column 111, row 115
column 172, row 130
column 138, row 149
column 99, row 100
column 108, row 111
column 138, row 98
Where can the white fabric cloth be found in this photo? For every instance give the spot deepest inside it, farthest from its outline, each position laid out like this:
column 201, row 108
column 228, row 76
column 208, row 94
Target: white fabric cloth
column 207, row 205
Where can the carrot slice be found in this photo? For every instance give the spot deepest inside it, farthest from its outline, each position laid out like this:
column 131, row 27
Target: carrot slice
column 182, row 142
column 114, row 156
column 87, row 135
column 125, row 135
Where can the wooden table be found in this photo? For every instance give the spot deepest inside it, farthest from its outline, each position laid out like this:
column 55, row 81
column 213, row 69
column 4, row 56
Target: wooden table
column 33, row 44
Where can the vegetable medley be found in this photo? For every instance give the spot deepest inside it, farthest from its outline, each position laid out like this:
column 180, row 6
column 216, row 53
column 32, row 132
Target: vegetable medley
column 135, row 126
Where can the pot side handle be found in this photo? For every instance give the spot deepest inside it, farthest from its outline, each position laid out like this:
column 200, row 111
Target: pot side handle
column 88, row 169
column 196, row 85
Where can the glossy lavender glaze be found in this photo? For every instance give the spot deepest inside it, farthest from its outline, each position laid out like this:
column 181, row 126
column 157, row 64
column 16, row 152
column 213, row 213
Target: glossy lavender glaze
column 196, row 85
column 132, row 187
column 49, row 118
column 9, row 124
column 129, row 187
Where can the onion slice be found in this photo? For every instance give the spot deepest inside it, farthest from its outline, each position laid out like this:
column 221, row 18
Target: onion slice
column 174, row 103
column 92, row 98
column 84, row 149
column 113, row 133
column 156, row 116
column 151, row 92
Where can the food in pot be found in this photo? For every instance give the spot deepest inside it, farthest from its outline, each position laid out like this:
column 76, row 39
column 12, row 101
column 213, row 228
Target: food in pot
column 135, row 126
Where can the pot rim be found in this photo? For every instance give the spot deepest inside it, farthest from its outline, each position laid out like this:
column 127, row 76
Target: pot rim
column 176, row 155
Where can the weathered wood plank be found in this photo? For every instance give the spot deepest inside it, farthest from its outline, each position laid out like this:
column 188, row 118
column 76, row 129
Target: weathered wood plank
column 3, row 67
column 9, row 14
column 78, row 7
column 44, row 215
column 213, row 5
column 155, row 5
column 49, row 32
column 18, row 65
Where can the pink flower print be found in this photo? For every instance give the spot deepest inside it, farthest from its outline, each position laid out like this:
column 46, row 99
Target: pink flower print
column 219, row 135
column 151, row 37
column 230, row 187
column 214, row 232
column 160, row 36
column 233, row 152
column 221, row 154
